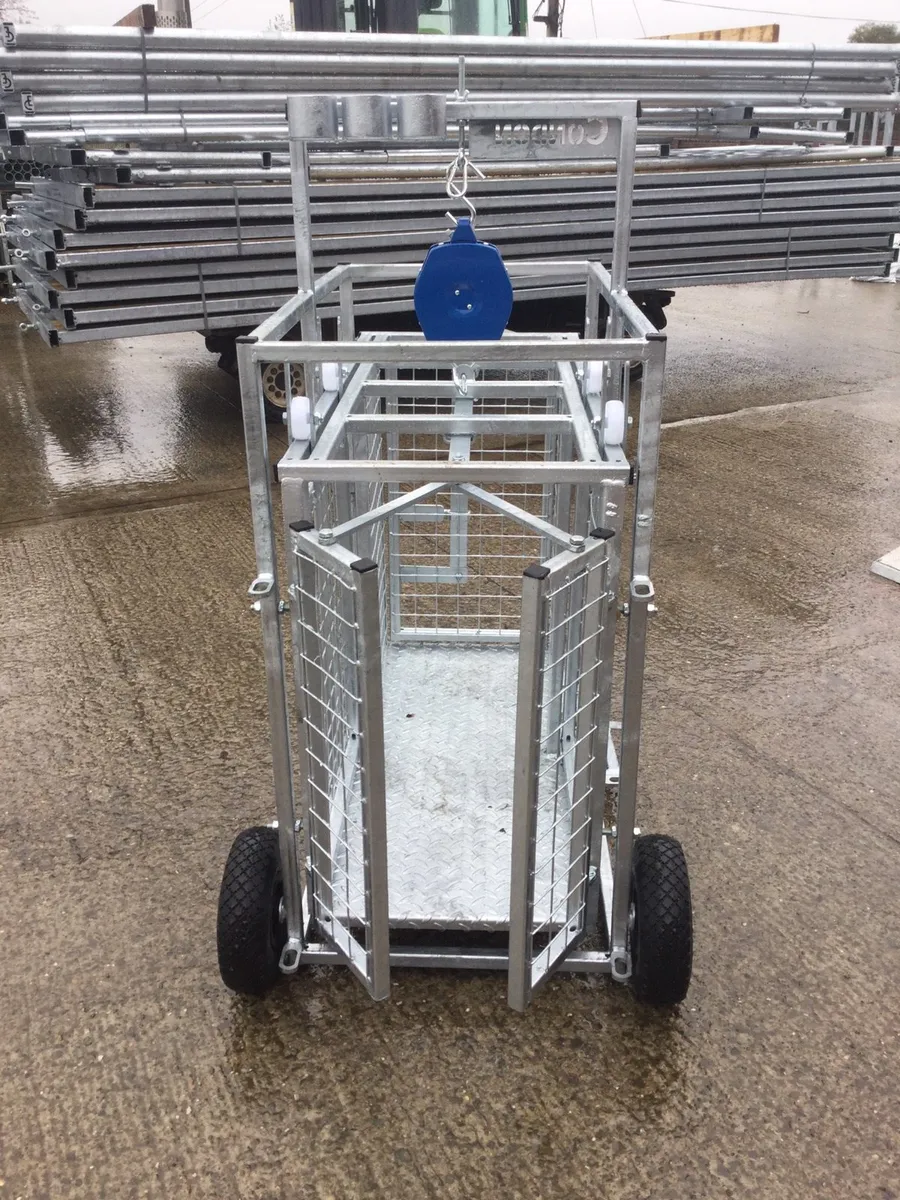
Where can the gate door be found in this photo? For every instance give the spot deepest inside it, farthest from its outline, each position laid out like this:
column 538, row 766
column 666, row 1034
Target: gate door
column 338, row 653
column 564, row 604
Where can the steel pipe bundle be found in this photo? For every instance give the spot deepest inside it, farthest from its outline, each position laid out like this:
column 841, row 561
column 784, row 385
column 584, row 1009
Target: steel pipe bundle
column 160, row 69
column 168, row 207
column 126, row 70
column 103, row 261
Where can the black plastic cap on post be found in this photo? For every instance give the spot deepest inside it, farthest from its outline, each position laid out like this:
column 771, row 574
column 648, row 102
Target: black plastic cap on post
column 246, row 339
column 603, row 535
column 536, row 571
column 300, row 526
column 364, row 564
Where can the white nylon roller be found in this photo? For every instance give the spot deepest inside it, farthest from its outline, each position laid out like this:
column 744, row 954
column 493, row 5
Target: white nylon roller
column 614, row 423
column 301, row 418
column 593, row 377
column 331, row 377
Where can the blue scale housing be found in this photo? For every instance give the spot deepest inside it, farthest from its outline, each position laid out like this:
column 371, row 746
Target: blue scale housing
column 463, row 291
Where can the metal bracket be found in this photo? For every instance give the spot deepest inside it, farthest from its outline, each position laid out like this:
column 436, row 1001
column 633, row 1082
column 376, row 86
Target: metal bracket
column 262, row 585
column 620, row 964
column 463, row 375
column 620, row 957
column 641, row 590
column 290, row 956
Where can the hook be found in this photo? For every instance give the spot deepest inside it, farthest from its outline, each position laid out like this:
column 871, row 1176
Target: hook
column 457, row 184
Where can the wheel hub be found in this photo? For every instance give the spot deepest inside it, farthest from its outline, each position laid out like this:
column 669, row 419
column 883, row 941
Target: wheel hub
column 273, row 384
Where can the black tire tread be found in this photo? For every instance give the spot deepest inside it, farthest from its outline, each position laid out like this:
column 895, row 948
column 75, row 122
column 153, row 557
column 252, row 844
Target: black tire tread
column 662, row 950
column 248, row 954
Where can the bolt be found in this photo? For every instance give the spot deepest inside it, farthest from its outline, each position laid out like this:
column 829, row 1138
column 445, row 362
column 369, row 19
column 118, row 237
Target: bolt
column 652, row 610
column 644, row 521
column 326, row 537
column 576, row 543
column 256, row 606
column 283, row 606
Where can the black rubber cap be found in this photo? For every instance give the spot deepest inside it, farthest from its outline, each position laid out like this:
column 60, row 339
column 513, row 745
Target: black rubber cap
column 246, row 339
column 602, row 535
column 536, row 571
column 364, row 564
column 300, row 526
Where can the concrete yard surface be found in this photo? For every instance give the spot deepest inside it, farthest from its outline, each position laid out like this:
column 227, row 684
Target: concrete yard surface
column 134, row 745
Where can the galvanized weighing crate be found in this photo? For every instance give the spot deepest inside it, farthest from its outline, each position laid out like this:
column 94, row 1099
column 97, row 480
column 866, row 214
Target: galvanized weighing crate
column 453, row 517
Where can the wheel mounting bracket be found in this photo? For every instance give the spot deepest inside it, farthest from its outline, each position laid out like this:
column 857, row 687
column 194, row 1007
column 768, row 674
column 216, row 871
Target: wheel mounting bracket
column 620, row 964
column 290, row 956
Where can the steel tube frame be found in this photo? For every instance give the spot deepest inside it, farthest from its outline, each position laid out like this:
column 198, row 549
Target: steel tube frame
column 264, row 589
column 641, row 595
column 585, row 962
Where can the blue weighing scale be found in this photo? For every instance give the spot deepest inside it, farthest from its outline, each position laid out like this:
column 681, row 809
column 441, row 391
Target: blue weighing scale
column 463, row 292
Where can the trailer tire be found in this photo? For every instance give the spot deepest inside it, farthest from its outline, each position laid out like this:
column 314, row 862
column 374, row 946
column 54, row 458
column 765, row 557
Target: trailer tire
column 661, row 940
column 250, row 931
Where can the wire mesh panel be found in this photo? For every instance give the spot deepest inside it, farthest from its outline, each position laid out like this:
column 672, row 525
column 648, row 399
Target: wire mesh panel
column 558, row 729
column 456, row 567
column 456, row 564
column 336, row 615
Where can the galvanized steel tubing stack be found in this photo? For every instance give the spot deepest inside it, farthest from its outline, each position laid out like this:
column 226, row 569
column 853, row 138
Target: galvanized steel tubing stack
column 168, row 203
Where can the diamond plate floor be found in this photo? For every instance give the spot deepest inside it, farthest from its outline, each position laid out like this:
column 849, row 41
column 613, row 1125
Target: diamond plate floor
column 449, row 731
column 449, row 716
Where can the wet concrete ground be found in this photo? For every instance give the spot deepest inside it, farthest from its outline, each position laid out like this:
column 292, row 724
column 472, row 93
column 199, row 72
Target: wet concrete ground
column 133, row 745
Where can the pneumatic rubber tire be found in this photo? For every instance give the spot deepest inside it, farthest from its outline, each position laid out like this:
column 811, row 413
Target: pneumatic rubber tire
column 251, row 931
column 662, row 939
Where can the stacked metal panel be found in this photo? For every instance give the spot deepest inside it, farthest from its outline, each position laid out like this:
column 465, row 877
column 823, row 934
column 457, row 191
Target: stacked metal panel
column 168, row 206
